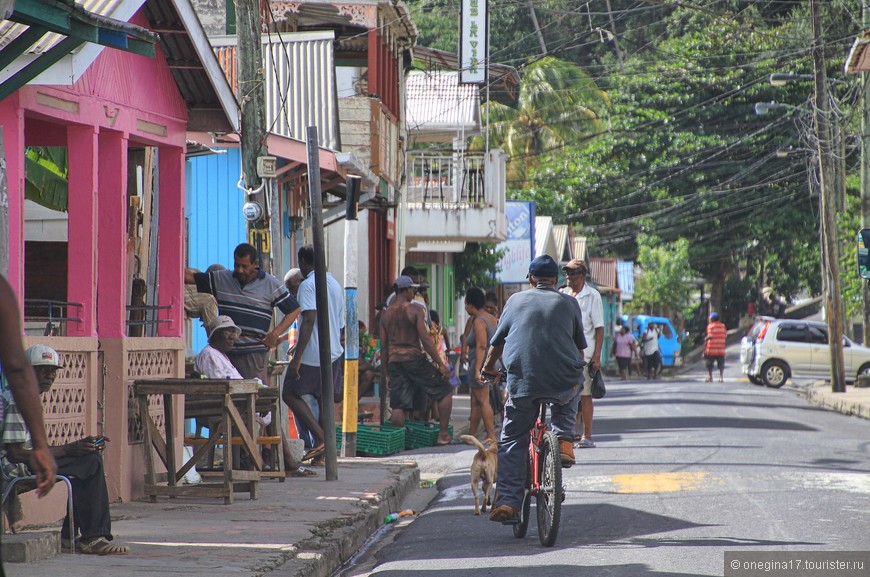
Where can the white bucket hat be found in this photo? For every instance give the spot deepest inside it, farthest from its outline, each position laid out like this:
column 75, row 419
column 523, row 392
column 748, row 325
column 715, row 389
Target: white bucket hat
column 223, row 322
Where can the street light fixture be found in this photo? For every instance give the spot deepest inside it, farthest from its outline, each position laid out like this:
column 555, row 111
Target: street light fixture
column 762, row 108
column 781, row 79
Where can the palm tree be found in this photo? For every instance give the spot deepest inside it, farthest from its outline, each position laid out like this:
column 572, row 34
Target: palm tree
column 557, row 104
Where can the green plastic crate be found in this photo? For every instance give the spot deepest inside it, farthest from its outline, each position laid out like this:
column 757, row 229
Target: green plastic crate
column 375, row 439
column 419, row 434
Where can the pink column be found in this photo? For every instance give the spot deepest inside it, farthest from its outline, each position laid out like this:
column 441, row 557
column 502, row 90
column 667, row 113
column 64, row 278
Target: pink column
column 112, row 236
column 12, row 120
column 82, row 149
column 171, row 256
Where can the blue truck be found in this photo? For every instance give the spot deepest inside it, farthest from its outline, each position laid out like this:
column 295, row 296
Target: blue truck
column 669, row 340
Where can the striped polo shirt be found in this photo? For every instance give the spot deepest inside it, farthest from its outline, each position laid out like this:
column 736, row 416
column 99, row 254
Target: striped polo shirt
column 14, row 432
column 250, row 306
column 715, row 345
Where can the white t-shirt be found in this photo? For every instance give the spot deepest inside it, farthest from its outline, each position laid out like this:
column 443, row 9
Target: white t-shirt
column 592, row 308
column 308, row 302
column 650, row 341
column 215, row 365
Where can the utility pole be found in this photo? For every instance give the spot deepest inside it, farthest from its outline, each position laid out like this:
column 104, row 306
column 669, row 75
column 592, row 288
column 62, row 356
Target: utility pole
column 830, row 247
column 865, row 172
column 252, row 96
column 327, row 413
column 351, row 331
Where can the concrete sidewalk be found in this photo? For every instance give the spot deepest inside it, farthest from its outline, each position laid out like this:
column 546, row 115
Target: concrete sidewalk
column 855, row 401
column 300, row 527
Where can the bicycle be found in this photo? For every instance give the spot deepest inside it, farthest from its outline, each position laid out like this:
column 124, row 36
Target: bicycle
column 543, row 479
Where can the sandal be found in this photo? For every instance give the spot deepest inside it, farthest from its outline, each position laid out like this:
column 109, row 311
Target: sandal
column 101, row 546
column 314, row 452
column 300, row 471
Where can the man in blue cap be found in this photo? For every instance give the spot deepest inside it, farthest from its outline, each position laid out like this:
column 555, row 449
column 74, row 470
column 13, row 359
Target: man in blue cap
column 540, row 333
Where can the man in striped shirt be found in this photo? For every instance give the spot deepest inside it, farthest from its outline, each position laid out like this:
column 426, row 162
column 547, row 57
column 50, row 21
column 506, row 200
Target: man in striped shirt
column 247, row 295
column 714, row 347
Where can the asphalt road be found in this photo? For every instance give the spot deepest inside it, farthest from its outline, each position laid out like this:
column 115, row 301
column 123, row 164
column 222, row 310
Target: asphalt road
column 684, row 471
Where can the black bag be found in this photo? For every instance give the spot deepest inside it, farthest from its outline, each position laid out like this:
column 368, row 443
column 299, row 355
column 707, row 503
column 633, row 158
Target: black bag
column 598, row 388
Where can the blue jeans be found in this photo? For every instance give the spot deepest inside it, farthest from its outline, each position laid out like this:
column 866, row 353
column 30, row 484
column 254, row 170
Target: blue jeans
column 513, row 447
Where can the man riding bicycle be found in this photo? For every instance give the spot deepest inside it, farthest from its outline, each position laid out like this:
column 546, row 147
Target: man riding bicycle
column 541, row 335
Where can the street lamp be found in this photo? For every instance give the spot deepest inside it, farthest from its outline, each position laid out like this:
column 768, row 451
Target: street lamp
column 781, row 79
column 762, row 108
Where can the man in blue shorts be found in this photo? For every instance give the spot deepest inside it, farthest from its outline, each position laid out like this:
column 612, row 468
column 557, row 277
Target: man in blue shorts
column 404, row 366
column 540, row 333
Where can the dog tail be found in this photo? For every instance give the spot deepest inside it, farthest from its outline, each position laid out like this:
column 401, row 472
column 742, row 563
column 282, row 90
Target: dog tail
column 474, row 441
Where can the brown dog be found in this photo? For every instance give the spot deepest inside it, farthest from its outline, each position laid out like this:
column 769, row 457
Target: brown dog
column 484, row 468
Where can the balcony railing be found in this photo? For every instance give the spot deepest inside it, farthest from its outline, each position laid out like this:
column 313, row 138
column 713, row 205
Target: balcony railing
column 55, row 315
column 439, row 179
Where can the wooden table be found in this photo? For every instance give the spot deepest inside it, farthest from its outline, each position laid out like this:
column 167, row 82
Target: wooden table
column 223, row 395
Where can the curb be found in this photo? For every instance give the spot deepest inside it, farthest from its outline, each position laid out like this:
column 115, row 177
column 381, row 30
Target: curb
column 334, row 542
column 828, row 400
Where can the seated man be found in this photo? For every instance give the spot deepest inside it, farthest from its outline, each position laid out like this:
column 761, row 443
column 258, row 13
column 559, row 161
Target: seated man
column 213, row 363
column 81, row 461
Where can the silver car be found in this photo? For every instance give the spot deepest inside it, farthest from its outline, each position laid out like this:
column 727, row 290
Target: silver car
column 747, row 346
column 786, row 348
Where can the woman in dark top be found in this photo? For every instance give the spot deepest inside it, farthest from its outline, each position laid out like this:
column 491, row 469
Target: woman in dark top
column 483, row 326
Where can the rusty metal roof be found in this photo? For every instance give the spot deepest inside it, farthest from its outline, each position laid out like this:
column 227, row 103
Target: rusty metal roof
column 603, row 271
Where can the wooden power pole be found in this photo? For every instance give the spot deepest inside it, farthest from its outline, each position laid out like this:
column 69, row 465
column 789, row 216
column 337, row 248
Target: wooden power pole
column 827, row 175
column 252, row 97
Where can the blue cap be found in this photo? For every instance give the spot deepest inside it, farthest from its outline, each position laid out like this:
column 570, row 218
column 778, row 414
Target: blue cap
column 544, row 266
column 714, row 316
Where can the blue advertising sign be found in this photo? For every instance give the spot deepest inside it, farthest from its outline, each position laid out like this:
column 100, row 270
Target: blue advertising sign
column 520, row 242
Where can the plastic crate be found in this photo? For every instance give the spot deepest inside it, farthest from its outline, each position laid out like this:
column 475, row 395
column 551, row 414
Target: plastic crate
column 375, row 439
column 419, row 434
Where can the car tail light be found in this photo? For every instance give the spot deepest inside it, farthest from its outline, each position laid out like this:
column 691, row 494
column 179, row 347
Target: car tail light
column 763, row 330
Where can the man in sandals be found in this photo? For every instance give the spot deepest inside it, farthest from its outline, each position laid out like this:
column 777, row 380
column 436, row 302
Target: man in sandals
column 81, row 461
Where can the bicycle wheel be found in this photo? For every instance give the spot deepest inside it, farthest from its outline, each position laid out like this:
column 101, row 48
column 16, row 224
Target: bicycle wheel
column 522, row 527
column 549, row 504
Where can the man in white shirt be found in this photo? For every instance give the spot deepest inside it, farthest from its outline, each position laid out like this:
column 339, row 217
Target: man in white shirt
column 303, row 372
column 592, row 308
column 651, row 357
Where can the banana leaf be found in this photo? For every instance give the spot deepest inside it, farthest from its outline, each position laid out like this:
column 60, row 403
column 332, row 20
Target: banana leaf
column 47, row 177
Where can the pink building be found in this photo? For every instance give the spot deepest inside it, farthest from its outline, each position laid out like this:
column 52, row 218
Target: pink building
column 123, row 122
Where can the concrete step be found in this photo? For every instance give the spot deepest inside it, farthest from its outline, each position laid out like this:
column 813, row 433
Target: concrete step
column 30, row 546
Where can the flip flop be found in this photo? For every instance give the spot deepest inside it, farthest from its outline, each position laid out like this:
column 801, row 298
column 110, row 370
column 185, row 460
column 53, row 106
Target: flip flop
column 314, row 452
column 445, row 443
column 300, row 472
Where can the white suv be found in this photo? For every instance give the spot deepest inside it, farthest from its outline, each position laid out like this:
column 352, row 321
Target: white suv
column 786, row 348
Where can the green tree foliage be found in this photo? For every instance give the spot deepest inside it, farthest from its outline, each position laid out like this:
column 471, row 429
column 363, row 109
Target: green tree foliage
column 663, row 289
column 558, row 104
column 477, row 266
column 681, row 153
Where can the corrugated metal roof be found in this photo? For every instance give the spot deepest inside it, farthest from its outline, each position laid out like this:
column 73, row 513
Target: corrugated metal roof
column 183, row 42
column 300, row 82
column 625, row 275
column 9, row 30
column 603, row 271
column 560, row 239
column 437, row 103
column 543, row 235
column 578, row 247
